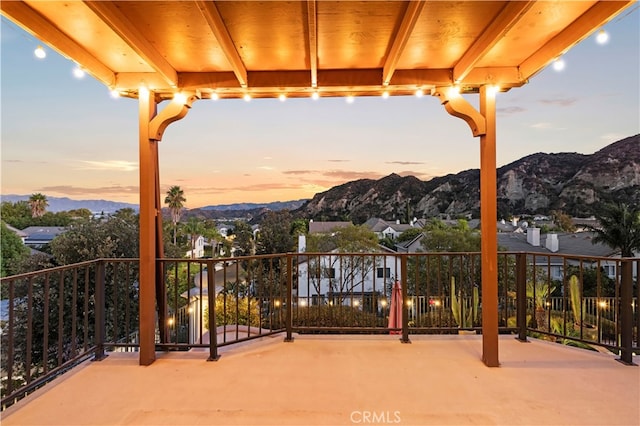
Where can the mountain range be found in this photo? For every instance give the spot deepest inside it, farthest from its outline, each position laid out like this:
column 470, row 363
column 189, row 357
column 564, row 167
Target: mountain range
column 574, row 183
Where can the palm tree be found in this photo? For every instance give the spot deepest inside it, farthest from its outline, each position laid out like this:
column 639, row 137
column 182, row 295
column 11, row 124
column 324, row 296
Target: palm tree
column 619, row 228
column 38, row 203
column 174, row 200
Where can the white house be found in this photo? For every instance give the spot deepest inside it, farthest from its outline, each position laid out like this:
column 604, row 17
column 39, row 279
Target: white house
column 356, row 280
column 197, row 250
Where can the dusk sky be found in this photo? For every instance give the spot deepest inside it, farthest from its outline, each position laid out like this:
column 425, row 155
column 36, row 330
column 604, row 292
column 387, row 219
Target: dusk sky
column 67, row 137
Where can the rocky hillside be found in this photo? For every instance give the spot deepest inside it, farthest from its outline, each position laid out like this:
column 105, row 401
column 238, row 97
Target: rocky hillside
column 538, row 183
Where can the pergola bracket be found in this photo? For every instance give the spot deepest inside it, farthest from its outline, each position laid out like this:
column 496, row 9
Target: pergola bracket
column 175, row 111
column 457, row 106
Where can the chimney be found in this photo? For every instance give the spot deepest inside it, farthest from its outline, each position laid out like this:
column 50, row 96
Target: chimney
column 302, row 243
column 552, row 243
column 514, row 222
column 533, row 236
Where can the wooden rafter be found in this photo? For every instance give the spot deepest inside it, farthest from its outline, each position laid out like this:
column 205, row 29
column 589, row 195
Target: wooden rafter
column 509, row 16
column 219, row 29
column 400, row 40
column 110, row 13
column 312, row 33
column 582, row 27
column 43, row 29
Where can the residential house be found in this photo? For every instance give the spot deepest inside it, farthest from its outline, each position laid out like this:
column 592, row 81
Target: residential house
column 39, row 236
column 197, row 251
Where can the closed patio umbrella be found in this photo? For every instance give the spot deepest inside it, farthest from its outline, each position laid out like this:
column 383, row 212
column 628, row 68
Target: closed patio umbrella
column 395, row 310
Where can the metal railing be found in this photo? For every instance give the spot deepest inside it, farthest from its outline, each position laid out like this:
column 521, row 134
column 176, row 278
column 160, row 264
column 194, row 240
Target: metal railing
column 56, row 318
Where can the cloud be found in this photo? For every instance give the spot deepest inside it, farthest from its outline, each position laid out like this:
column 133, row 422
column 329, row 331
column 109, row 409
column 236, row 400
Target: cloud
column 541, row 126
column 300, row 172
column 111, row 165
column 105, row 190
column 559, row 101
column 511, row 110
column 265, row 168
column 348, row 175
column 405, row 163
column 338, row 161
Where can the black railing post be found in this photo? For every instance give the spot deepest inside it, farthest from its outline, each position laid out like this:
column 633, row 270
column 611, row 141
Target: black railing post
column 289, row 317
column 100, row 324
column 211, row 300
column 521, row 296
column 405, row 307
column 626, row 313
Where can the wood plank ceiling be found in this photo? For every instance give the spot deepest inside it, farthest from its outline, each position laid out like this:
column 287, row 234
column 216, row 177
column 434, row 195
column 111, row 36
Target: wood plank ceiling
column 228, row 49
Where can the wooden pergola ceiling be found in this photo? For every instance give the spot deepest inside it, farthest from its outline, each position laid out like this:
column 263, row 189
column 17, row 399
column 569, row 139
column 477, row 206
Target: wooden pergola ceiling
column 228, row 49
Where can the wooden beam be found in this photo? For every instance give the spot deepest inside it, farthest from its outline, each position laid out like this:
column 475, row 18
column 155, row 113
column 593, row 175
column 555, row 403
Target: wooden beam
column 112, row 16
column 400, row 39
column 488, row 229
column 42, row 29
column 213, row 18
column 312, row 33
column 146, row 112
column 598, row 15
column 506, row 19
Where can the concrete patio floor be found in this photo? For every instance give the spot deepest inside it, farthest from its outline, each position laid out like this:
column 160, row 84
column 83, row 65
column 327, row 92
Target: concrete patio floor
column 338, row 380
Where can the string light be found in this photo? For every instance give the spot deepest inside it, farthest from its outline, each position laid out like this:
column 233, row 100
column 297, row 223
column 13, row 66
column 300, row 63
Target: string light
column 350, row 99
column 419, row 93
column 40, row 52
column 115, row 94
column 282, row 97
column 315, row 96
column 385, row 94
column 78, row 72
column 558, row 64
column 215, row 96
column 602, row 37
column 247, row 97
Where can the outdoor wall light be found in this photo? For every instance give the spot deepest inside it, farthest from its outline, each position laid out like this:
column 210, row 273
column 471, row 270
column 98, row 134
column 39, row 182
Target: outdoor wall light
column 602, row 304
column 40, row 52
column 383, row 303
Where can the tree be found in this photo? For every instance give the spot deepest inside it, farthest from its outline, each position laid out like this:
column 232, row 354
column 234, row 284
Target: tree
column 13, row 251
column 174, row 200
column 350, row 239
column 38, row 204
column 194, row 228
column 619, row 228
column 563, row 221
column 244, row 238
column 275, row 233
column 439, row 237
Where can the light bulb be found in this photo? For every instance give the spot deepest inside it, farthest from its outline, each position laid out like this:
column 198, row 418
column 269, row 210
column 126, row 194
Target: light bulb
column 315, row 96
column 602, row 37
column 78, row 72
column 385, row 94
column 419, row 93
column 247, row 97
column 115, row 94
column 214, row 96
column 558, row 64
column 282, row 97
column 350, row 99
column 40, row 52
